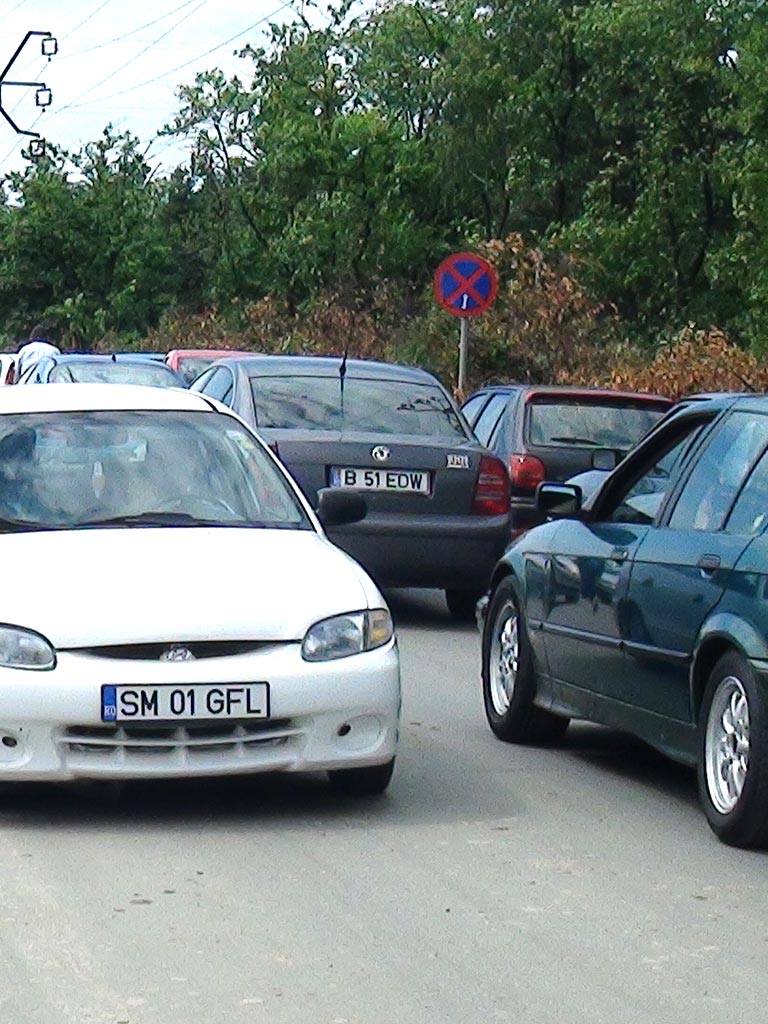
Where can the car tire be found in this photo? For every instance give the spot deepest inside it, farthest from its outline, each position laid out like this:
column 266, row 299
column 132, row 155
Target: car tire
column 733, row 754
column 371, row 781
column 462, row 604
column 509, row 679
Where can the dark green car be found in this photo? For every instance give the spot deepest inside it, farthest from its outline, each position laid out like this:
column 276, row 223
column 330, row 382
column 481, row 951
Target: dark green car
column 647, row 609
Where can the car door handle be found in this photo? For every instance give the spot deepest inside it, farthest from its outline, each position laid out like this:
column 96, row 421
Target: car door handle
column 619, row 554
column 708, row 564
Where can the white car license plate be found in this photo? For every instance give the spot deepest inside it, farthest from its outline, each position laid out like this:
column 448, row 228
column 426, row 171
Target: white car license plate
column 168, row 703
column 414, row 481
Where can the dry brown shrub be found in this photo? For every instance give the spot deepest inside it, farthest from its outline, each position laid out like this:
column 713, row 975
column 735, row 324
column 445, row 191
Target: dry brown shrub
column 695, row 361
column 543, row 328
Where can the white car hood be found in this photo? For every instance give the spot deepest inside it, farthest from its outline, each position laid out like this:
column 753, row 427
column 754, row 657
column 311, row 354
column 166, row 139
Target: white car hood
column 85, row 588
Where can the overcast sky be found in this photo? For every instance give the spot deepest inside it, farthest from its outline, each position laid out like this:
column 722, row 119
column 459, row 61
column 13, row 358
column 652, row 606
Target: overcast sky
column 109, row 50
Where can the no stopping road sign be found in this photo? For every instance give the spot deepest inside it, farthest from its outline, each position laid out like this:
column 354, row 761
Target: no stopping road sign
column 465, row 284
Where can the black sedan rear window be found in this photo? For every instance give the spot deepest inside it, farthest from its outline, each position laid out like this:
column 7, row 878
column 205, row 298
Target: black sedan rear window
column 588, row 424
column 362, row 406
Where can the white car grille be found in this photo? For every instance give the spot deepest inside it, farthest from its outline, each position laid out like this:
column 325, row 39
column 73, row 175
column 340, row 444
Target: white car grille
column 95, row 749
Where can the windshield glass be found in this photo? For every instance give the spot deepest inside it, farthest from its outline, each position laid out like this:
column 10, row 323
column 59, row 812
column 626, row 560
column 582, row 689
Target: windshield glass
column 108, row 372
column 65, row 470
column 192, row 366
column 370, row 406
column 590, row 424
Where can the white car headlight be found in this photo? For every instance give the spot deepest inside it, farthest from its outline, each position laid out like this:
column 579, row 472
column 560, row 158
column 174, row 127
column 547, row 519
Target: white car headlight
column 21, row 648
column 343, row 635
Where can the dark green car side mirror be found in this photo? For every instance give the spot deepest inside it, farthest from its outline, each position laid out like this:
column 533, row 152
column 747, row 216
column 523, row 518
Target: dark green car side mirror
column 558, row 501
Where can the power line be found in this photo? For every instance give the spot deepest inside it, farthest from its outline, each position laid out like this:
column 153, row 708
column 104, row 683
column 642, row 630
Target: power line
column 19, row 142
column 186, row 64
column 14, row 9
column 111, row 75
column 133, row 32
column 180, row 67
column 21, row 98
column 87, row 18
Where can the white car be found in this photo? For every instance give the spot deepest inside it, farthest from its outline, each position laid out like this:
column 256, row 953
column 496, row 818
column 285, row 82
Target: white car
column 170, row 605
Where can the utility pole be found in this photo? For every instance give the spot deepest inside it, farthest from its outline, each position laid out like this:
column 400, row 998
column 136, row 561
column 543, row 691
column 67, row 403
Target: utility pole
column 49, row 47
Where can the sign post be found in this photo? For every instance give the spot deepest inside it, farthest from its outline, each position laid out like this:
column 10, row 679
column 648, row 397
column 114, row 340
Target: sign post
column 465, row 285
column 463, row 350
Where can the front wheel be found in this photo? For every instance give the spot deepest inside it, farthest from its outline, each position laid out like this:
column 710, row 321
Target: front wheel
column 371, row 781
column 733, row 754
column 509, row 680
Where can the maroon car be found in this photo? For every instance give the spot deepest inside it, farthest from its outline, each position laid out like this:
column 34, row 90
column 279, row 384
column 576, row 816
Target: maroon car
column 552, row 433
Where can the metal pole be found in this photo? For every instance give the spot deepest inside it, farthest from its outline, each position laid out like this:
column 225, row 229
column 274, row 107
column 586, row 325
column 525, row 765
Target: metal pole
column 463, row 347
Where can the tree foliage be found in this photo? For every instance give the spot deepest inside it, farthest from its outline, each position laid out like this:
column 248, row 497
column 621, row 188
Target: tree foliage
column 626, row 142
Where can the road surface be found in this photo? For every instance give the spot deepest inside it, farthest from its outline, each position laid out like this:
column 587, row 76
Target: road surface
column 563, row 886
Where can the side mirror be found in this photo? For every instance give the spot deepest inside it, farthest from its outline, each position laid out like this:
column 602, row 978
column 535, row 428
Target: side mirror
column 605, row 459
column 337, row 507
column 558, row 501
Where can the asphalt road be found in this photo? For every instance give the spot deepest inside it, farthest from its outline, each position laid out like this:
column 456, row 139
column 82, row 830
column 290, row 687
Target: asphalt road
column 563, row 886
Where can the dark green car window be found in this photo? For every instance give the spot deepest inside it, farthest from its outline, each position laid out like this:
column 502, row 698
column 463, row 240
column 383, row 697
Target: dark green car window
column 641, row 503
column 716, row 479
column 750, row 513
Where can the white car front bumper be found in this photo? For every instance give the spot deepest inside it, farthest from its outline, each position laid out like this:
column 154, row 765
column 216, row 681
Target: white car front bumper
column 337, row 714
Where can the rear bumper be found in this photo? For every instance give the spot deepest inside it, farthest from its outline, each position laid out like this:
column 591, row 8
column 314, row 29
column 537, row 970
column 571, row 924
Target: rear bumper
column 450, row 552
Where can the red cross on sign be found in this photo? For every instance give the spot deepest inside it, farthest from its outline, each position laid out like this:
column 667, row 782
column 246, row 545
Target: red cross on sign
column 465, row 284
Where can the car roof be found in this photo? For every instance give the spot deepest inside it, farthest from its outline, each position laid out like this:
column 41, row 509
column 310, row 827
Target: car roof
column 193, row 353
column 328, row 366
column 99, row 397
column 101, row 357
column 575, row 390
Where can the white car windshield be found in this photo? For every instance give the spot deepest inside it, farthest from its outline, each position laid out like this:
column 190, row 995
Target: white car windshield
column 86, row 469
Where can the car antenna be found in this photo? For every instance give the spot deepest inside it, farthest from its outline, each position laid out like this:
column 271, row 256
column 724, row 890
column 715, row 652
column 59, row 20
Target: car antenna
column 342, row 377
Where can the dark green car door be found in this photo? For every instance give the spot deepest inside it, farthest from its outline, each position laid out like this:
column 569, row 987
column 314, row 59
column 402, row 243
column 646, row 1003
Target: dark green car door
column 589, row 572
column 683, row 566
column 587, row 579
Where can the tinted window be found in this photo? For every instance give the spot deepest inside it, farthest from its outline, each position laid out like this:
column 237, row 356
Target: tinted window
column 750, row 513
column 190, row 367
column 589, row 424
column 108, row 372
column 220, row 384
column 473, row 406
column 68, row 470
column 490, row 417
column 201, row 383
column 641, row 502
column 719, row 473
column 369, row 406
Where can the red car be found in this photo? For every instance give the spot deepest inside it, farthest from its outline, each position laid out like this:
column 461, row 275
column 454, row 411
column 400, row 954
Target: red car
column 190, row 362
column 555, row 433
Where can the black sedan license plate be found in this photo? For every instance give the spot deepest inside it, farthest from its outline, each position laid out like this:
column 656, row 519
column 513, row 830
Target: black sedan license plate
column 169, row 703
column 413, row 481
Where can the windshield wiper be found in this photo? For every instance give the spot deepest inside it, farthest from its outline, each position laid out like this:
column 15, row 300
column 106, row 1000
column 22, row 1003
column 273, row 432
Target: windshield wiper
column 158, row 519
column 578, row 440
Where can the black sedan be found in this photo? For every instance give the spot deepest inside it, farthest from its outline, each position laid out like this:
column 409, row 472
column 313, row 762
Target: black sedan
column 438, row 502
column 646, row 609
